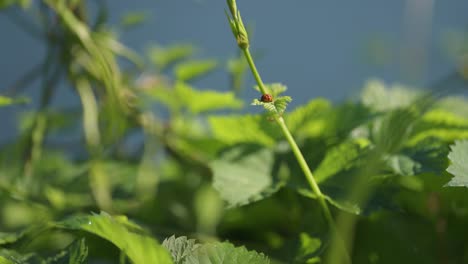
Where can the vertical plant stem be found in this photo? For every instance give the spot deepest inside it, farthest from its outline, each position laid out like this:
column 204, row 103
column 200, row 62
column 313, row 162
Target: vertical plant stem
column 306, row 170
column 255, row 73
column 303, row 164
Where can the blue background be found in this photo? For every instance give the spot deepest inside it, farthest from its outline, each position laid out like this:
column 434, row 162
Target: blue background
column 325, row 48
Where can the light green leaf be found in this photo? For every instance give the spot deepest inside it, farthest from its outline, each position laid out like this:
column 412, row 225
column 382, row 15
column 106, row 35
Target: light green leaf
column 6, row 101
column 243, row 174
column 195, row 68
column 276, row 108
column 439, row 124
column 308, row 249
column 234, row 129
column 8, row 238
column 225, row 253
column 457, row 105
column 132, row 19
column 459, row 164
column 281, row 103
column 275, row 89
column 184, row 96
column 8, row 3
column 309, row 119
column 163, row 57
column 379, row 97
column 198, row 101
column 139, row 248
column 180, row 248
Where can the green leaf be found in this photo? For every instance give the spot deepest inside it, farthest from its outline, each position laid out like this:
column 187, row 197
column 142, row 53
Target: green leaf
column 233, row 129
column 163, row 57
column 6, row 101
column 8, row 3
column 138, row 247
column 309, row 119
column 12, row 257
column 457, row 105
column 184, row 96
column 195, row 68
column 393, row 130
column 132, row 19
column 381, row 98
column 243, row 174
column 308, row 249
column 78, row 252
column 225, row 253
column 180, row 248
column 440, row 124
column 402, row 165
column 281, row 103
column 75, row 253
column 275, row 89
column 197, row 101
column 341, row 158
column 276, row 108
column 8, row 238
column 459, row 164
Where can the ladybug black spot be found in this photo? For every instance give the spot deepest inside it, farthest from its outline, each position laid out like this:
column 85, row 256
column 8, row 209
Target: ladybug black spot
column 267, row 98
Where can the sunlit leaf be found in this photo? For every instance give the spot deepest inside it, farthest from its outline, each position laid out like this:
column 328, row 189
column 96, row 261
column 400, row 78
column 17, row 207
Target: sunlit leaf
column 379, row 97
column 194, row 68
column 6, row 101
column 132, row 19
column 234, row 129
column 198, row 101
column 163, row 57
column 138, row 247
column 439, row 124
column 308, row 249
column 459, row 164
column 308, row 119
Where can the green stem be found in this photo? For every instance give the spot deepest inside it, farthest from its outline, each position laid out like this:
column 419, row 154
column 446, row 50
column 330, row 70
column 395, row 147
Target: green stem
column 307, row 172
column 302, row 163
column 255, row 73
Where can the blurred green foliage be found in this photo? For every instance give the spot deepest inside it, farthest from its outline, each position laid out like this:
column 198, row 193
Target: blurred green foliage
column 181, row 162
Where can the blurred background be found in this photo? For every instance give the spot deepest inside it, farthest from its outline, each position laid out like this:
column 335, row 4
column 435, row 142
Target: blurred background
column 317, row 48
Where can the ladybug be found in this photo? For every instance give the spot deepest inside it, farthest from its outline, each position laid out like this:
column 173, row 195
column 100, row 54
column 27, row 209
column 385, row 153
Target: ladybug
column 266, row 98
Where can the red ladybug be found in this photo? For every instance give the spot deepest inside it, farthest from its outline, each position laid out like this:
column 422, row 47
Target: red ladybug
column 267, row 98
